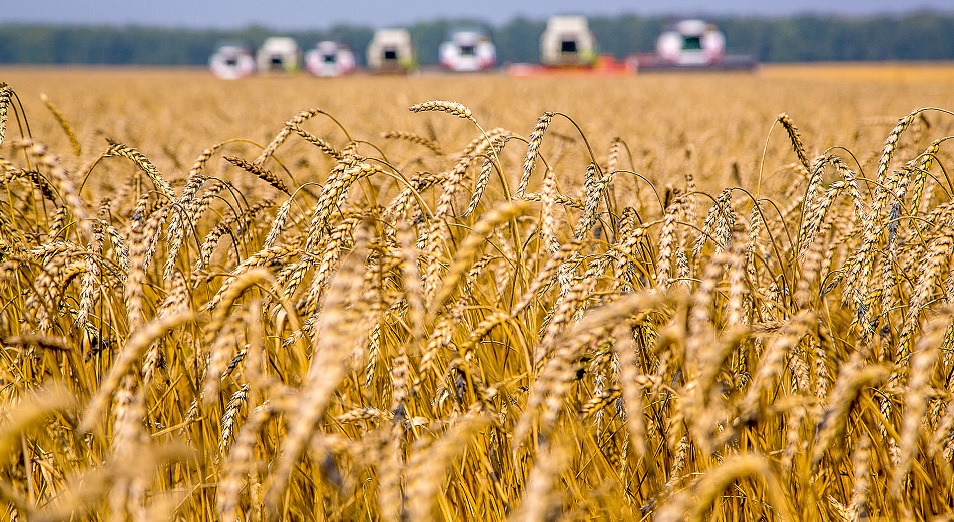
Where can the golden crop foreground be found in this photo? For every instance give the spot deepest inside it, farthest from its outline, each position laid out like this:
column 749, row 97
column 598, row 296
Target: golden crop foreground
column 527, row 327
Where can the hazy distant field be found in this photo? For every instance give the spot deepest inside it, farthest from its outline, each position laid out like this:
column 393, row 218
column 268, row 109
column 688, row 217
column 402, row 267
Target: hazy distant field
column 667, row 296
column 171, row 115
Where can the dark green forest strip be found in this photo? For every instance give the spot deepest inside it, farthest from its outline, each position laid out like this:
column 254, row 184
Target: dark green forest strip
column 805, row 38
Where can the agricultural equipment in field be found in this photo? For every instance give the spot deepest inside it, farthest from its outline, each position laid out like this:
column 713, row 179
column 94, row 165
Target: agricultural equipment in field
column 603, row 65
column 468, row 51
column 231, row 62
column 391, row 51
column 692, row 45
column 568, row 48
column 279, row 54
column 567, row 41
column 329, row 59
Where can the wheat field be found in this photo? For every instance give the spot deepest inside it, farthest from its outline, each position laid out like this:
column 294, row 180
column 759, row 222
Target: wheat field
column 665, row 297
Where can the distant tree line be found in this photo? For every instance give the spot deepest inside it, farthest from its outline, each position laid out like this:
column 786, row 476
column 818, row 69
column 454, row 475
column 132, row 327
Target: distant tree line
column 805, row 38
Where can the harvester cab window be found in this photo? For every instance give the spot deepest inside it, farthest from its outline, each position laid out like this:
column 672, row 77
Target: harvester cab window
column 692, row 43
column 390, row 54
column 568, row 46
column 468, row 50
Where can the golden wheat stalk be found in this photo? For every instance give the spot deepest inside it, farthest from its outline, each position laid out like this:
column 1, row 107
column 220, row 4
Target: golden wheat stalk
column 240, row 458
column 322, row 145
column 553, row 381
column 692, row 505
column 260, row 171
column 6, row 99
column 426, row 466
column 923, row 368
column 450, row 107
column 667, row 243
column 593, row 187
column 282, row 135
column 135, row 347
column 793, row 134
column 64, row 185
column 483, row 179
column 118, row 149
column 64, row 124
column 773, row 361
column 328, row 366
column 539, row 500
column 469, row 247
column 891, row 143
column 533, row 146
column 414, row 138
column 852, row 378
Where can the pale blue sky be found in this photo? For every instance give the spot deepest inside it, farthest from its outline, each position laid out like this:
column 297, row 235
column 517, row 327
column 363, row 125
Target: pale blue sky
column 314, row 14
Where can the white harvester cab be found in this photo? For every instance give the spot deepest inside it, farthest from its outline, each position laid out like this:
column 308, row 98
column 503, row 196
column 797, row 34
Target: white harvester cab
column 391, row 51
column 567, row 40
column 691, row 42
column 329, row 59
column 468, row 51
column 231, row 62
column 279, row 54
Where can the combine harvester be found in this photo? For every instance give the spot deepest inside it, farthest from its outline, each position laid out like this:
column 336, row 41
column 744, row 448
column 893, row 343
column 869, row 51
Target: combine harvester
column 692, row 45
column 391, row 52
column 568, row 42
column 329, row 59
column 568, row 47
column 468, row 51
column 279, row 54
column 231, row 62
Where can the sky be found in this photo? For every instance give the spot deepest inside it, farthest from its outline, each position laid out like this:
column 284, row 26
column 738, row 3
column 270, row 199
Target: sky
column 315, row 14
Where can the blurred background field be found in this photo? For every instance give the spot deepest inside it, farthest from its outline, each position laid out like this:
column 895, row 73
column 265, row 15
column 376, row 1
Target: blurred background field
column 712, row 124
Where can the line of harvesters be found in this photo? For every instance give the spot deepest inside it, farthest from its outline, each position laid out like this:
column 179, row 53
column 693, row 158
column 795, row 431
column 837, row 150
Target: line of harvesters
column 567, row 46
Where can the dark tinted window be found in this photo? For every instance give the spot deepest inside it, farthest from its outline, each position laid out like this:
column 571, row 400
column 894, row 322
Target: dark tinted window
column 692, row 43
column 568, row 46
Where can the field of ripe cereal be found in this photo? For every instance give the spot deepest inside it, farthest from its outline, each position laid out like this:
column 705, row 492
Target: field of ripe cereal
column 666, row 297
